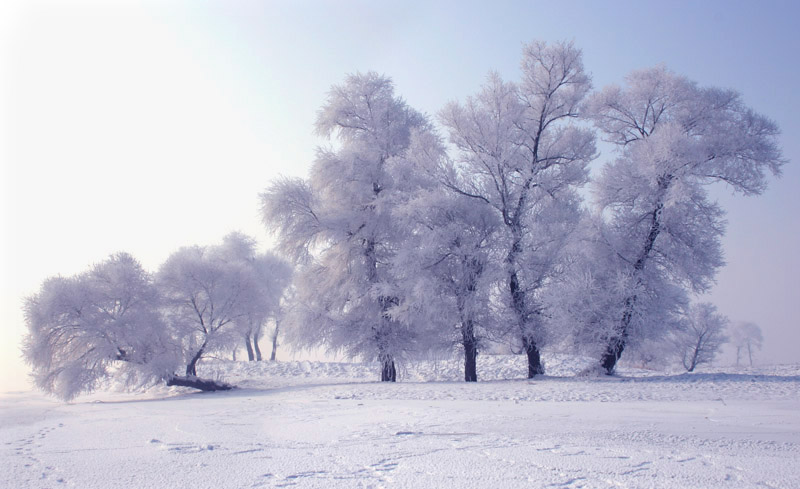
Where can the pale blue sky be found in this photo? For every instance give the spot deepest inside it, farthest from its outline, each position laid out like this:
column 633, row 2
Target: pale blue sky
column 144, row 126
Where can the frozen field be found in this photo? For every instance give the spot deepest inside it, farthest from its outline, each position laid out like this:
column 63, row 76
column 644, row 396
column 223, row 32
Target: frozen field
column 328, row 425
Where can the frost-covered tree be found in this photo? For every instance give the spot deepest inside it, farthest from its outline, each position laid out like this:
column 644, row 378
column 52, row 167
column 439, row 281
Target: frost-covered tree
column 588, row 298
column 701, row 336
column 660, row 231
column 519, row 155
column 206, row 291
column 273, row 278
column 284, row 310
column 449, row 270
column 270, row 276
column 746, row 337
column 581, row 302
column 274, row 338
column 202, row 298
column 103, row 322
column 338, row 226
column 445, row 266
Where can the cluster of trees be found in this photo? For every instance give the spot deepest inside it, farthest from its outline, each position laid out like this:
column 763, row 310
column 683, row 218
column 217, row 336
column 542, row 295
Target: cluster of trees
column 407, row 241
column 118, row 319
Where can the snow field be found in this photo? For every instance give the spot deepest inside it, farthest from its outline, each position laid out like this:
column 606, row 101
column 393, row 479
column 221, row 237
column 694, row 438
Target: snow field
column 330, row 425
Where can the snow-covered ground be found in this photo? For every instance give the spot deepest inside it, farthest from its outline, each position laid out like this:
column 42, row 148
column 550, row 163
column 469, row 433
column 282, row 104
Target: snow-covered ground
column 329, row 425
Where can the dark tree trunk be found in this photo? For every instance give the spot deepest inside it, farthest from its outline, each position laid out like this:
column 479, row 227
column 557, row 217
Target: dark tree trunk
column 256, row 347
column 535, row 366
column 616, row 346
column 388, row 372
column 470, row 353
column 609, row 359
column 695, row 355
column 468, row 340
column 197, row 383
column 249, row 346
column 274, row 343
column 470, row 363
column 191, row 368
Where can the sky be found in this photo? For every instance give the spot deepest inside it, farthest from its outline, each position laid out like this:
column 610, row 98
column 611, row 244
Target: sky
column 146, row 126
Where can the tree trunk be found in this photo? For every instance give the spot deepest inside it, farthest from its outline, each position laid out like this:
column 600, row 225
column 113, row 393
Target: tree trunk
column 692, row 363
column 613, row 351
column 750, row 353
column 535, row 366
column 695, row 355
column 616, row 346
column 274, row 342
column 256, row 347
column 250, row 356
column 191, row 368
column 468, row 340
column 388, row 372
column 197, row 383
column 470, row 353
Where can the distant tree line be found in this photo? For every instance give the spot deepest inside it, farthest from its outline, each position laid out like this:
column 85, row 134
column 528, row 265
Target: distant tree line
column 412, row 235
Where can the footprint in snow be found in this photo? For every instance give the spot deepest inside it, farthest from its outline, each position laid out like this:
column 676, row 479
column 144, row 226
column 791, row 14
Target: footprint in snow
column 303, row 475
column 569, row 482
column 642, row 467
column 384, row 466
column 262, row 483
column 183, row 447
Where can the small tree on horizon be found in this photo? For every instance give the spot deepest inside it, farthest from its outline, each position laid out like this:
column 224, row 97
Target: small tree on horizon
column 746, row 336
column 702, row 335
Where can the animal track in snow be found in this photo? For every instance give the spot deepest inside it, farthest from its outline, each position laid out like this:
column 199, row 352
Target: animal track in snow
column 568, row 483
column 184, row 447
column 306, row 474
column 384, row 465
column 26, row 448
column 641, row 467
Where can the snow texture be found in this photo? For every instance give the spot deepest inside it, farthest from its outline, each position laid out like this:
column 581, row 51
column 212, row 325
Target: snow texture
column 329, row 425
